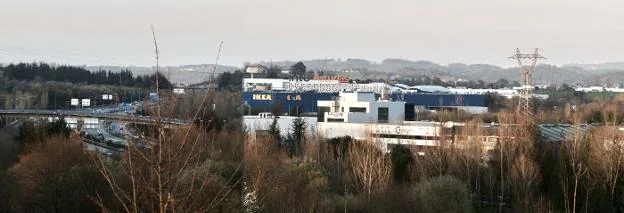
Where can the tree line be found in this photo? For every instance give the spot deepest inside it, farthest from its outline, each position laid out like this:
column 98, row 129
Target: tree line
column 65, row 73
column 56, row 95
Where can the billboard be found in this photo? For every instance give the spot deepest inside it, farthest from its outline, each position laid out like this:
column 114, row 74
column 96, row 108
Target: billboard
column 107, row 97
column 341, row 79
column 86, row 102
column 178, row 91
column 262, row 87
column 74, row 102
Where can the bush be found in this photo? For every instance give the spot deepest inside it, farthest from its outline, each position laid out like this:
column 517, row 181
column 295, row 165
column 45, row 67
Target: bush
column 444, row 194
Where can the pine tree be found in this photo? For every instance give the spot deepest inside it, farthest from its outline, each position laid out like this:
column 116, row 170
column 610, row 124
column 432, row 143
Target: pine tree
column 275, row 132
column 296, row 138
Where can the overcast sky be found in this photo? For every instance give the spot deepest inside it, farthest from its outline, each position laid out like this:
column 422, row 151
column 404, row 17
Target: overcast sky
column 116, row 32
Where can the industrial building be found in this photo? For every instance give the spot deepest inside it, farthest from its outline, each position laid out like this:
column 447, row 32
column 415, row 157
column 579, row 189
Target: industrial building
column 387, row 123
column 361, row 116
column 296, row 97
column 364, row 117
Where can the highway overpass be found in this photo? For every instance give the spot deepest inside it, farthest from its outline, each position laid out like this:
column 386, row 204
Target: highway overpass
column 82, row 114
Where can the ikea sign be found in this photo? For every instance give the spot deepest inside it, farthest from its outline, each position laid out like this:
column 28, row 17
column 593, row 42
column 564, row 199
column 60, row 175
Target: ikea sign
column 261, row 97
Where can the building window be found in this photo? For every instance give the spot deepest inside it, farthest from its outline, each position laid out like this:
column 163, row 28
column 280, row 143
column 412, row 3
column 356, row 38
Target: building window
column 320, row 116
column 382, row 115
column 357, row 109
column 335, row 120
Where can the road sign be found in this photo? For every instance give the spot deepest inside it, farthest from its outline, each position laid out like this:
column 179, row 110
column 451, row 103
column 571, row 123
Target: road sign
column 86, row 102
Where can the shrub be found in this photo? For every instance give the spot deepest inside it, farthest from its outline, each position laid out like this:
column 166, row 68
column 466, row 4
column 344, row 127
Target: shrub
column 444, row 194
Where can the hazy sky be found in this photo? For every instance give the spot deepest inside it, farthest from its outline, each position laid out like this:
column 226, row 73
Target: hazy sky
column 117, row 32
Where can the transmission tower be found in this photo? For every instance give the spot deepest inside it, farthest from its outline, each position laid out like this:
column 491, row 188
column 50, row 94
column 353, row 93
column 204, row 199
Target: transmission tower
column 526, row 63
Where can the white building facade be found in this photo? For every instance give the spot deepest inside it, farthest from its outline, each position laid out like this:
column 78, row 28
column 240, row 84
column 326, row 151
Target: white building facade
column 358, row 107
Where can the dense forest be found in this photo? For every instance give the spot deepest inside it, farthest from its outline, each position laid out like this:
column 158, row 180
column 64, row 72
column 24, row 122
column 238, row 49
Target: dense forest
column 231, row 81
column 42, row 72
column 42, row 86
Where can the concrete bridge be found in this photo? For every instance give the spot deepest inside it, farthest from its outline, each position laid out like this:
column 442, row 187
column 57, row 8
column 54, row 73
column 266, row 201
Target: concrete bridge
column 81, row 114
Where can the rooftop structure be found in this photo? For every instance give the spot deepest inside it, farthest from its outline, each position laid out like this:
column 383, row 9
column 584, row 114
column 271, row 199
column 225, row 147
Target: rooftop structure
column 599, row 89
column 428, row 89
column 328, row 85
column 505, row 92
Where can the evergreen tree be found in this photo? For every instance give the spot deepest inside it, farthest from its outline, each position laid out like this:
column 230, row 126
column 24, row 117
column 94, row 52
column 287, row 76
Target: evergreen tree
column 298, row 69
column 296, row 138
column 58, row 127
column 43, row 72
column 273, row 72
column 275, row 132
column 401, row 157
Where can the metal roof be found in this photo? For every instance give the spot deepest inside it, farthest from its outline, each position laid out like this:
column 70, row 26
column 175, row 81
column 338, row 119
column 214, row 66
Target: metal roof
column 430, row 88
column 550, row 132
column 562, row 132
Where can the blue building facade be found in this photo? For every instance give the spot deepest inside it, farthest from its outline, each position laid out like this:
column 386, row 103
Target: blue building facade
column 430, row 100
column 302, row 102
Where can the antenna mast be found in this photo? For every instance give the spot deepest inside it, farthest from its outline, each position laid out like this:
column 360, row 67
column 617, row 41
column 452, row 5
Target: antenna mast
column 526, row 63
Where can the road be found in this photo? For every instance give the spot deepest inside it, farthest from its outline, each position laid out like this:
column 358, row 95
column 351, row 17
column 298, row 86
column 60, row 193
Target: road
column 113, row 144
column 90, row 114
column 103, row 150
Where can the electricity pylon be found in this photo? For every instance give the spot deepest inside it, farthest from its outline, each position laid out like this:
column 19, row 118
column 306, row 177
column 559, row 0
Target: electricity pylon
column 526, row 63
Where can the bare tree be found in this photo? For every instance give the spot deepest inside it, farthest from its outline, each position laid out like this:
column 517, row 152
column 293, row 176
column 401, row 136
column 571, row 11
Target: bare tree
column 163, row 176
column 371, row 166
column 575, row 151
column 470, row 151
column 66, row 185
column 607, row 153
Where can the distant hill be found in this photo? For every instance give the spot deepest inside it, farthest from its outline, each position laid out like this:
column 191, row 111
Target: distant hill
column 585, row 74
column 184, row 74
column 601, row 66
column 607, row 73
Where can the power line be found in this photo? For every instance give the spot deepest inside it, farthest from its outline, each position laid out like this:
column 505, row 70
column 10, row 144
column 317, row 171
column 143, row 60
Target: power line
column 39, row 54
column 103, row 60
column 72, row 54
